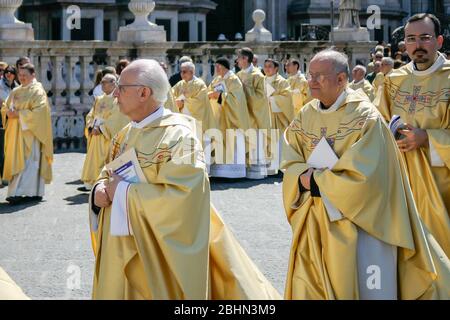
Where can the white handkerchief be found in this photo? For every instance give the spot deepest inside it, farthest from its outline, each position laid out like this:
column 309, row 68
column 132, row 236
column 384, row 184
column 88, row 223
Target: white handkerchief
column 322, row 157
column 296, row 91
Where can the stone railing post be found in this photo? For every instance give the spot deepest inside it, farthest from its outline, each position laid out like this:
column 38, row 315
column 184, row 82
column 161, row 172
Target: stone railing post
column 72, row 83
column 58, row 85
column 86, row 83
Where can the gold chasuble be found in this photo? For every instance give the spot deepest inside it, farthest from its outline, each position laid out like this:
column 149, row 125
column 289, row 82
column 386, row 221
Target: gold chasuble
column 422, row 99
column 231, row 114
column 378, row 82
column 170, row 102
column 359, row 236
column 300, row 91
column 365, row 86
column 28, row 141
column 163, row 239
column 279, row 95
column 196, row 103
column 163, row 251
column 260, row 119
column 9, row 290
column 105, row 115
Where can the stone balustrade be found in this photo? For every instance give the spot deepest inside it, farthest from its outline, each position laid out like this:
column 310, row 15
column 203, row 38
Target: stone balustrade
column 67, row 68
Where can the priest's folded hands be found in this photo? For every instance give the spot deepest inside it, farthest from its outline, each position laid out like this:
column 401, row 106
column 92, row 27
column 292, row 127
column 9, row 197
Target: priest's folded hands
column 414, row 138
column 101, row 197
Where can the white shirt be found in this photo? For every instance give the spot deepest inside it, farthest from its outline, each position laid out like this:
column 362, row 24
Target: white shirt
column 335, row 105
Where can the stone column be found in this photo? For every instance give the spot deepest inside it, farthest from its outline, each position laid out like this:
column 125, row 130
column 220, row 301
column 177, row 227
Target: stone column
column 65, row 32
column 141, row 29
column 258, row 33
column 10, row 27
column 99, row 32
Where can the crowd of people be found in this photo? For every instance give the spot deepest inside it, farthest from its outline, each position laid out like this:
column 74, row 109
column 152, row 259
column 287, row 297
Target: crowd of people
column 365, row 166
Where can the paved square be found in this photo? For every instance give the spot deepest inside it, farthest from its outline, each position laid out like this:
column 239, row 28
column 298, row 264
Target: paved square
column 46, row 248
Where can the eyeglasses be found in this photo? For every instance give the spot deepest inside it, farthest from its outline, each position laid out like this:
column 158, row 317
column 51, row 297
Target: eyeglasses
column 122, row 86
column 423, row 38
column 318, row 77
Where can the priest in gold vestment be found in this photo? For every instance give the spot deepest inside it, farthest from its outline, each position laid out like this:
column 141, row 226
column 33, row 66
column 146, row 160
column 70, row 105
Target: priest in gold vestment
column 161, row 239
column 360, row 83
column 191, row 98
column 356, row 232
column 227, row 99
column 259, row 111
column 298, row 84
column 387, row 65
column 102, row 123
column 420, row 94
column 279, row 95
column 28, row 139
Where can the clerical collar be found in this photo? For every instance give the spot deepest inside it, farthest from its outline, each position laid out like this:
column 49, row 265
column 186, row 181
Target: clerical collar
column 149, row 119
column 335, row 105
column 228, row 74
column 436, row 65
column 249, row 69
column 192, row 80
column 271, row 78
column 30, row 84
column 359, row 82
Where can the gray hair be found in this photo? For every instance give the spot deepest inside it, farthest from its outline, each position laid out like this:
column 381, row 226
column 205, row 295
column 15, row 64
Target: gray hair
column 360, row 67
column 110, row 76
column 189, row 65
column 388, row 60
column 184, row 59
column 338, row 59
column 151, row 74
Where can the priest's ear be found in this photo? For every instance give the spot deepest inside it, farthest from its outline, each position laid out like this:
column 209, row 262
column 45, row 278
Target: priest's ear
column 342, row 79
column 146, row 93
column 440, row 42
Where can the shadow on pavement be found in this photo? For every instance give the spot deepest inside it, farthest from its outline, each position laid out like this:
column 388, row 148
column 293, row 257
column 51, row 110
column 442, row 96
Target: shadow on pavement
column 82, row 198
column 6, row 208
column 75, row 182
column 243, row 183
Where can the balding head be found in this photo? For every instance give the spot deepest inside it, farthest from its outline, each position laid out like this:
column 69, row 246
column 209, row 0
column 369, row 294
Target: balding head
column 387, row 64
column 109, row 83
column 338, row 60
column 328, row 76
column 143, row 87
column 358, row 73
